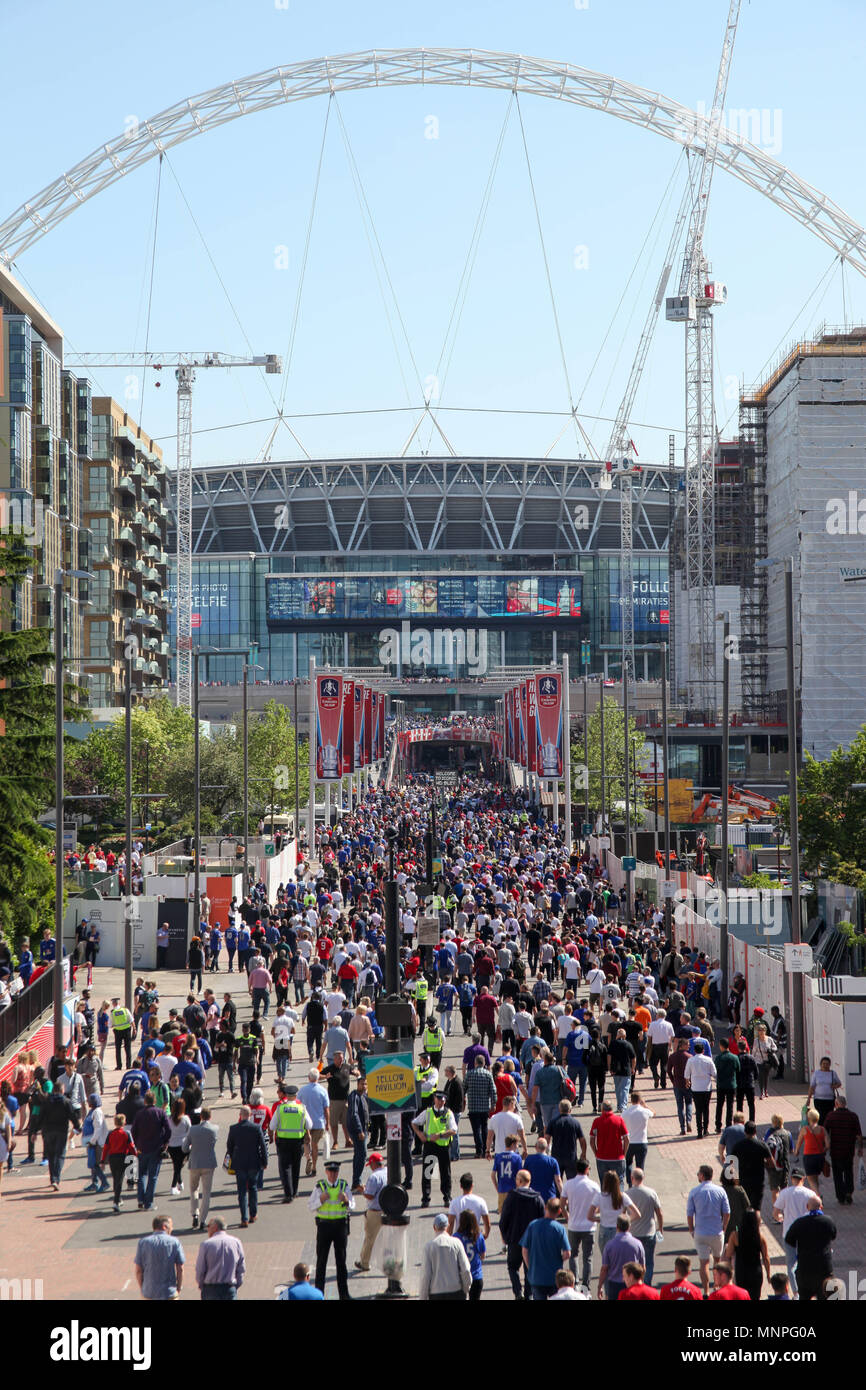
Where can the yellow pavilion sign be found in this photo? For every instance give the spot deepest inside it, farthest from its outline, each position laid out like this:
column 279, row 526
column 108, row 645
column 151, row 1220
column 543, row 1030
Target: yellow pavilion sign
column 390, row 1081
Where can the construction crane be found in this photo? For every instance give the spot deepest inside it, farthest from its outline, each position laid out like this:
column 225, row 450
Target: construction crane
column 693, row 306
column 620, row 443
column 185, row 365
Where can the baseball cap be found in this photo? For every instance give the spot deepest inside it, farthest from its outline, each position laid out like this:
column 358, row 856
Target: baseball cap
column 375, row 1158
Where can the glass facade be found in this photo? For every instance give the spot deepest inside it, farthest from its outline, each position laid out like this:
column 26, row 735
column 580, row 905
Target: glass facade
column 368, row 610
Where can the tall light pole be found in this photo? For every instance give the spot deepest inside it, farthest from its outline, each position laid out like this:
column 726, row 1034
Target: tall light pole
column 726, row 753
column 601, row 718
column 297, row 823
column 628, row 879
column 59, row 576
column 796, row 979
column 196, row 881
column 130, row 906
column 668, row 907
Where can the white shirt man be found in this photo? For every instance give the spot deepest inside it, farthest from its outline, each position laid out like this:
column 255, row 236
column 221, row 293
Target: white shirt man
column 335, row 1001
column 661, row 1032
column 565, row 1025
column 637, row 1118
column 595, row 980
column 700, row 1072
column 581, row 1193
column 499, row 1126
column 469, row 1201
column 611, row 992
column 791, row 1203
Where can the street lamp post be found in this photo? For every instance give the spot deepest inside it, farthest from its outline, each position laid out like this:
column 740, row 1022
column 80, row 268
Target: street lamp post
column 196, row 881
column 726, row 753
column 628, row 879
column 601, row 729
column 130, row 906
column 797, row 979
column 59, row 796
column 667, row 789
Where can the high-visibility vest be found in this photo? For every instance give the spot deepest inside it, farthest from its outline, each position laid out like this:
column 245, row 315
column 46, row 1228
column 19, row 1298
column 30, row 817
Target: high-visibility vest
column 422, row 1076
column 438, row 901
column 434, row 1039
column 291, row 1121
column 436, row 1127
column 119, row 1019
column 332, row 1209
column 421, row 989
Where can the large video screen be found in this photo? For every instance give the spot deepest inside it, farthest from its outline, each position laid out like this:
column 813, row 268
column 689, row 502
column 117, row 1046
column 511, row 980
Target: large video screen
column 292, row 597
column 651, row 603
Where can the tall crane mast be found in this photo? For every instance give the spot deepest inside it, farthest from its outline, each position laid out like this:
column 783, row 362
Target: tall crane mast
column 185, row 365
column 619, row 444
column 693, row 306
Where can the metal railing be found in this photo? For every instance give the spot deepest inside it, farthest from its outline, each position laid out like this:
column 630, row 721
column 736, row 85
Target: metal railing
column 27, row 1006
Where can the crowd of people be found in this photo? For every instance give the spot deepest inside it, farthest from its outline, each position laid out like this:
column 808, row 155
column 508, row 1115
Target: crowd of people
column 562, row 1007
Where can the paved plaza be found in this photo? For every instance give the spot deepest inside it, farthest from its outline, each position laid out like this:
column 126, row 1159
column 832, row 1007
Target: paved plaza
column 78, row 1247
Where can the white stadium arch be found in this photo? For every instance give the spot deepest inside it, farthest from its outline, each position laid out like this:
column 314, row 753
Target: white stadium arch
column 429, row 67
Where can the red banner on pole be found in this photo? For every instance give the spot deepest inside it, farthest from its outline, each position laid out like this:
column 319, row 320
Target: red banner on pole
column 348, row 762
column 548, row 754
column 531, row 733
column 329, row 727
column 368, row 726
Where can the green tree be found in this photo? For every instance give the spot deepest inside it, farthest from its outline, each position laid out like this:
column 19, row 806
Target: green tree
column 26, row 761
column 832, row 816
column 272, row 760
column 614, row 757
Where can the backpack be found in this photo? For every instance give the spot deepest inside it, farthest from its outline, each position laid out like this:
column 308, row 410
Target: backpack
column 776, row 1143
column 594, row 1055
column 567, row 1088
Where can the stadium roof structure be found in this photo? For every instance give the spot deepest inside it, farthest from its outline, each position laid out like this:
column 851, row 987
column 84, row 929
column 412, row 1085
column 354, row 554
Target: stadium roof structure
column 417, row 505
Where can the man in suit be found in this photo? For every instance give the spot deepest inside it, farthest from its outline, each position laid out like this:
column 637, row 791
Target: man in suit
column 248, row 1153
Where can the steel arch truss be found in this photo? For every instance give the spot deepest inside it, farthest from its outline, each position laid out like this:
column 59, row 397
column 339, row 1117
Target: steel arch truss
column 346, row 506
column 429, row 67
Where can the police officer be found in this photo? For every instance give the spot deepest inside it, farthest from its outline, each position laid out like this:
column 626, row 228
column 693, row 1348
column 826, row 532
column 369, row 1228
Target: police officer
column 436, row 1127
column 422, row 989
column 121, row 1023
column 332, row 1201
column 434, row 1042
column 289, row 1125
column 426, row 1080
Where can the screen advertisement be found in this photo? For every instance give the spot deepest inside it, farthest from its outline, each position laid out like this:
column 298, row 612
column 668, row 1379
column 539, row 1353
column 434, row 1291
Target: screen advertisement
column 291, row 598
column 329, row 728
column 651, row 602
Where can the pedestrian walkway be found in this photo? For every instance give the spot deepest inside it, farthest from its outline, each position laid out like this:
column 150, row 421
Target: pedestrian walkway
column 77, row 1247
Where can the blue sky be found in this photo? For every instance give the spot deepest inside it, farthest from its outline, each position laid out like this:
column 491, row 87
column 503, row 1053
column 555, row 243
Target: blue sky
column 249, row 184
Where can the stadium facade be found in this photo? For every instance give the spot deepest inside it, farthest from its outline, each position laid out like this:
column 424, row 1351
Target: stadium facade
column 443, row 566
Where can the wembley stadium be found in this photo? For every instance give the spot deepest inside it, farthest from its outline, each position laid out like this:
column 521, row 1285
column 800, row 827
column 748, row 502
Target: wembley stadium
column 442, row 567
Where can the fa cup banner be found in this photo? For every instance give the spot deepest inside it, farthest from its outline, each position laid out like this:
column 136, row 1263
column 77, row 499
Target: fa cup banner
column 348, row 763
column 329, row 728
column 531, row 735
column 521, row 724
column 367, row 725
column 374, row 726
column 508, row 752
column 358, row 726
column 380, row 742
column 548, row 725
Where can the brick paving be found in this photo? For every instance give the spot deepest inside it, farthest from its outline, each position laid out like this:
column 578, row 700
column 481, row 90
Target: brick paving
column 77, row 1246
